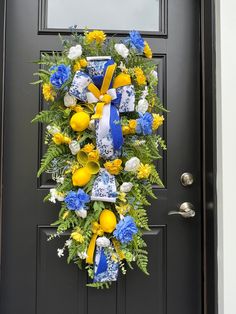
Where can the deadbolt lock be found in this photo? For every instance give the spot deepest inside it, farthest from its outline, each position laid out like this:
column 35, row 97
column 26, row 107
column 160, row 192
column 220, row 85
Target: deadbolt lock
column 186, row 179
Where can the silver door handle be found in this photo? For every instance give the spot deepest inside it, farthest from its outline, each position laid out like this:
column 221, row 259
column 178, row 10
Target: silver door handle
column 186, row 210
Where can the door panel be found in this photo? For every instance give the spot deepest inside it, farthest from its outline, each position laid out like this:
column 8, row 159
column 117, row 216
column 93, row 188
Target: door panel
column 34, row 280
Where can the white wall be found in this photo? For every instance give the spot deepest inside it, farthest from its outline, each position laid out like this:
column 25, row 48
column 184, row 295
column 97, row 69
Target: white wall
column 226, row 128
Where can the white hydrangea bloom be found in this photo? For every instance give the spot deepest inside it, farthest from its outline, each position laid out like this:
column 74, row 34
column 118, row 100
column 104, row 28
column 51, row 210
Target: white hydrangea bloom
column 154, row 74
column 103, row 241
column 132, row 164
column 126, row 187
column 142, row 105
column 55, row 196
column 122, row 50
column 75, row 52
column 53, row 129
column 81, row 213
column 69, row 100
column 74, row 147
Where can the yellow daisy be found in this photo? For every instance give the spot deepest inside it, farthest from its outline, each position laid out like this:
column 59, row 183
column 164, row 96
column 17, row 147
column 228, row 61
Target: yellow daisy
column 144, row 171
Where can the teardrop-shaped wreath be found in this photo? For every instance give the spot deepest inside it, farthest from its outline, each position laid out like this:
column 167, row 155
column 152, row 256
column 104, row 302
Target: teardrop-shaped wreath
column 102, row 118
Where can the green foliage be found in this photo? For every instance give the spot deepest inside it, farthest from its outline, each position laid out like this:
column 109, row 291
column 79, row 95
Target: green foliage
column 100, row 285
column 52, row 152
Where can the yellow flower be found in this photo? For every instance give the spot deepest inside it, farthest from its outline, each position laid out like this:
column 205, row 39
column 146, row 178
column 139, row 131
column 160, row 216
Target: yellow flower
column 83, row 63
column 65, row 214
column 132, row 126
column 66, row 140
column 97, row 36
column 147, row 50
column 59, row 139
column 113, row 167
column 93, row 155
column 77, row 108
column 125, row 130
column 48, row 92
column 157, row 121
column 140, row 77
column 144, row 171
column 122, row 197
column 77, row 66
column 77, row 236
column 88, row 148
column 123, row 209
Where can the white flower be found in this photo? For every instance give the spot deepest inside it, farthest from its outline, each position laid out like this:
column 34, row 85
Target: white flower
column 142, row 106
column 68, row 242
column 122, row 67
column 81, row 213
column 91, row 126
column 132, row 164
column 52, row 129
column 145, row 92
column 126, row 187
column 122, row 50
column 154, row 74
column 60, row 180
column 103, row 242
column 75, row 52
column 74, row 147
column 55, row 196
column 82, row 255
column 69, row 100
column 60, row 252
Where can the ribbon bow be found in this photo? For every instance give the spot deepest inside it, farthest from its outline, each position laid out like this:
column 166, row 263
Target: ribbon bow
column 110, row 99
column 98, row 231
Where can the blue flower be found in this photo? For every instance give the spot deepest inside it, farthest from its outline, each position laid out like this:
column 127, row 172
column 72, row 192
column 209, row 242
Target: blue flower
column 144, row 123
column 136, row 41
column 125, row 230
column 60, row 74
column 76, row 200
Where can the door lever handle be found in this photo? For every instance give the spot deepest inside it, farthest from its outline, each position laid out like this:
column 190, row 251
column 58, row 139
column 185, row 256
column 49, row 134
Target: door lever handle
column 186, row 210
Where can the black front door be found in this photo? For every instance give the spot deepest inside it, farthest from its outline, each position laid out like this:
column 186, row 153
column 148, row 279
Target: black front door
column 34, row 280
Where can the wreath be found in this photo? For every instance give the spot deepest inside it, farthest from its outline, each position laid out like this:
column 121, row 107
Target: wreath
column 102, row 143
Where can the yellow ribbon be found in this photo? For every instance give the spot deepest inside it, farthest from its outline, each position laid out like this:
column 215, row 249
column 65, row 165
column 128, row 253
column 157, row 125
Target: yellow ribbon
column 117, row 248
column 102, row 93
column 97, row 231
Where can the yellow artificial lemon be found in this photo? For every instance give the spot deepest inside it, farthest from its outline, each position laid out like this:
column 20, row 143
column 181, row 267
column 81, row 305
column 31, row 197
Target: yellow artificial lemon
column 107, row 220
column 81, row 177
column 79, row 121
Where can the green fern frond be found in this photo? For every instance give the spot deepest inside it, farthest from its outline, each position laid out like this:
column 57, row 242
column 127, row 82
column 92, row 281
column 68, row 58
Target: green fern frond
column 52, row 152
column 100, row 285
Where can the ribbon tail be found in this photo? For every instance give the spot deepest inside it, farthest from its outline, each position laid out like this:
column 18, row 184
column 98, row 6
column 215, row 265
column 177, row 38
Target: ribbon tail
column 116, row 130
column 91, row 248
column 117, row 248
column 102, row 265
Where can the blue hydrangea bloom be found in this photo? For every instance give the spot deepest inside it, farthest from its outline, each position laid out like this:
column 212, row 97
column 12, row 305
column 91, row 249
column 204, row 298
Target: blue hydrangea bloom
column 125, row 230
column 76, row 200
column 136, row 41
column 60, row 74
column 144, row 123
